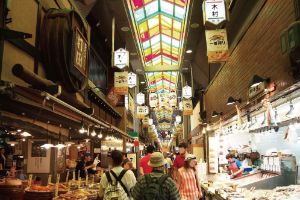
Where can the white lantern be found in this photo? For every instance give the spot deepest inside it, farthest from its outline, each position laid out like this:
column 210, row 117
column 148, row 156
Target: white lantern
column 150, row 121
column 178, row 119
column 146, row 110
column 187, row 92
column 131, row 80
column 214, row 11
column 140, row 98
column 121, row 58
column 180, row 105
column 153, row 99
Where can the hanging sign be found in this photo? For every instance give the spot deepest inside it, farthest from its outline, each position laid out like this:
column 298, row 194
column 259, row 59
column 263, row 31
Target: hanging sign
column 178, row 119
column 180, row 105
column 187, row 107
column 187, row 92
column 140, row 98
column 172, row 99
column 150, row 121
column 146, row 110
column 121, row 83
column 142, row 111
column 112, row 97
column 145, row 122
column 214, row 12
column 153, row 99
column 131, row 80
column 163, row 100
column 121, row 58
column 217, row 45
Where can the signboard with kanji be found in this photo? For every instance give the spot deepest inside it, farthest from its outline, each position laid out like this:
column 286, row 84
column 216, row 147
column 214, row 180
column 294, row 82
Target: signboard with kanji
column 153, row 100
column 187, row 92
column 121, row 58
column 173, row 99
column 131, row 80
column 121, row 83
column 214, row 11
column 140, row 98
column 217, row 45
column 187, row 107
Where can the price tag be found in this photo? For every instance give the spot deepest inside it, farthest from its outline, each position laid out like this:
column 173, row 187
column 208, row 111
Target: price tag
column 74, row 175
column 67, row 178
column 57, row 184
column 49, row 179
column 86, row 179
column 30, row 180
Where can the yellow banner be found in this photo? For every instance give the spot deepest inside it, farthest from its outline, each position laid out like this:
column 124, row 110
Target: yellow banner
column 217, row 45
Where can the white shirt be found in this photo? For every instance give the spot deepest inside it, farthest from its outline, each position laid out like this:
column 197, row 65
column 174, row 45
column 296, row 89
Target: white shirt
column 128, row 179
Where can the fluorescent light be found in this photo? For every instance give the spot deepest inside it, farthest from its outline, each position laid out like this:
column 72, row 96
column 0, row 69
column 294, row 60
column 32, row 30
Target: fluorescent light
column 25, row 134
column 19, row 130
column 189, row 51
column 47, row 146
column 142, row 82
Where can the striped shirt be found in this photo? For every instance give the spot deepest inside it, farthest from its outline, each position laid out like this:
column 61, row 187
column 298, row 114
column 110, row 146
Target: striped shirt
column 188, row 186
column 169, row 188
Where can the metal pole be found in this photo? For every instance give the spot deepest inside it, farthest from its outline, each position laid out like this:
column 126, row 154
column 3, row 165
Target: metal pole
column 112, row 40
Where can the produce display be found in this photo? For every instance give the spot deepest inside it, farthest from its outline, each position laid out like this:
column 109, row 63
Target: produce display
column 80, row 194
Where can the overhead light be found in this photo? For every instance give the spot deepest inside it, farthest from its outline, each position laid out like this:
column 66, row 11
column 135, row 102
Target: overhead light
column 47, row 146
column 216, row 114
column 12, row 143
column 143, row 82
column 232, row 101
column 25, row 134
column 93, row 134
column 69, row 143
column 19, row 130
column 189, row 51
column 125, row 29
column 100, row 136
column 256, row 80
column 60, row 146
column 23, row 139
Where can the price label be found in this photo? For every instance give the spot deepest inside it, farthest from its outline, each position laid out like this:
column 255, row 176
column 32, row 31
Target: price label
column 49, row 179
column 30, row 180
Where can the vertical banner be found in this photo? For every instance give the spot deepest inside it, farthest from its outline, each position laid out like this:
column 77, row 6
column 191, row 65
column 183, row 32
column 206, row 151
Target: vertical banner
column 217, row 45
column 187, row 107
column 121, row 83
column 153, row 100
column 173, row 99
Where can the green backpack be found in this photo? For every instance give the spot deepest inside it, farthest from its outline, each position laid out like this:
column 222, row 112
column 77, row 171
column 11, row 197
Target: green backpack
column 154, row 188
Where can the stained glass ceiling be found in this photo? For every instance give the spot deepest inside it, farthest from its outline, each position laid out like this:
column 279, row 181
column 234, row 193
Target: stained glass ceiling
column 162, row 81
column 160, row 29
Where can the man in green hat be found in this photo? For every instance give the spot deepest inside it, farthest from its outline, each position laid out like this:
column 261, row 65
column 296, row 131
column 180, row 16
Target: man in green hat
column 156, row 185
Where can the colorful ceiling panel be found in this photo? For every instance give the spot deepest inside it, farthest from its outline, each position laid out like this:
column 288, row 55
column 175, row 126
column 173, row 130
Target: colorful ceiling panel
column 160, row 29
column 162, row 81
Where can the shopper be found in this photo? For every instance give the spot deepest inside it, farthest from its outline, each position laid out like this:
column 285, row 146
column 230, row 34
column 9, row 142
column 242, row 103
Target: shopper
column 156, row 185
column 125, row 159
column 85, row 165
column 129, row 166
column 179, row 160
column 235, row 169
column 117, row 176
column 144, row 167
column 189, row 186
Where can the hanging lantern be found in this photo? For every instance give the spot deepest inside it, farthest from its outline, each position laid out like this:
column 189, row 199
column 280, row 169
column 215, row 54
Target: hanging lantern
column 146, row 110
column 173, row 99
column 180, row 105
column 140, row 98
column 121, row 58
column 187, row 92
column 178, row 119
column 163, row 100
column 131, row 80
column 153, row 100
column 150, row 121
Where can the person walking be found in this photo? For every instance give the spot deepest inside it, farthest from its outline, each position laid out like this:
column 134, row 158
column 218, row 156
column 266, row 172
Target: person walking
column 179, row 160
column 189, row 187
column 156, row 185
column 117, row 183
column 144, row 167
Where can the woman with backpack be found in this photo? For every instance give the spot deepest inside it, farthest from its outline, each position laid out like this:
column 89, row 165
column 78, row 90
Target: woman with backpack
column 189, row 186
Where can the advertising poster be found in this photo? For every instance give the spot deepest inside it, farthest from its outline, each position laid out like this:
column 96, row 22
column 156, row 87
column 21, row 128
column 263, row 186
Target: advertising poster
column 121, row 83
column 217, row 45
column 187, row 107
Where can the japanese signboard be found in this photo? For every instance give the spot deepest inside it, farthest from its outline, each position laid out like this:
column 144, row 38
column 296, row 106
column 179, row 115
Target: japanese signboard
column 142, row 111
column 254, row 91
column 131, row 80
column 173, row 99
column 145, row 122
column 217, row 45
column 80, row 53
column 187, row 107
column 214, row 11
column 153, row 99
column 121, row 83
column 187, row 92
column 163, row 99
column 121, row 58
column 180, row 106
column 140, row 98
column 112, row 97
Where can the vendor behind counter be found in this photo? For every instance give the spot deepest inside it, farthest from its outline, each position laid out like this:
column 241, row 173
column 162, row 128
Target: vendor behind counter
column 235, row 169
